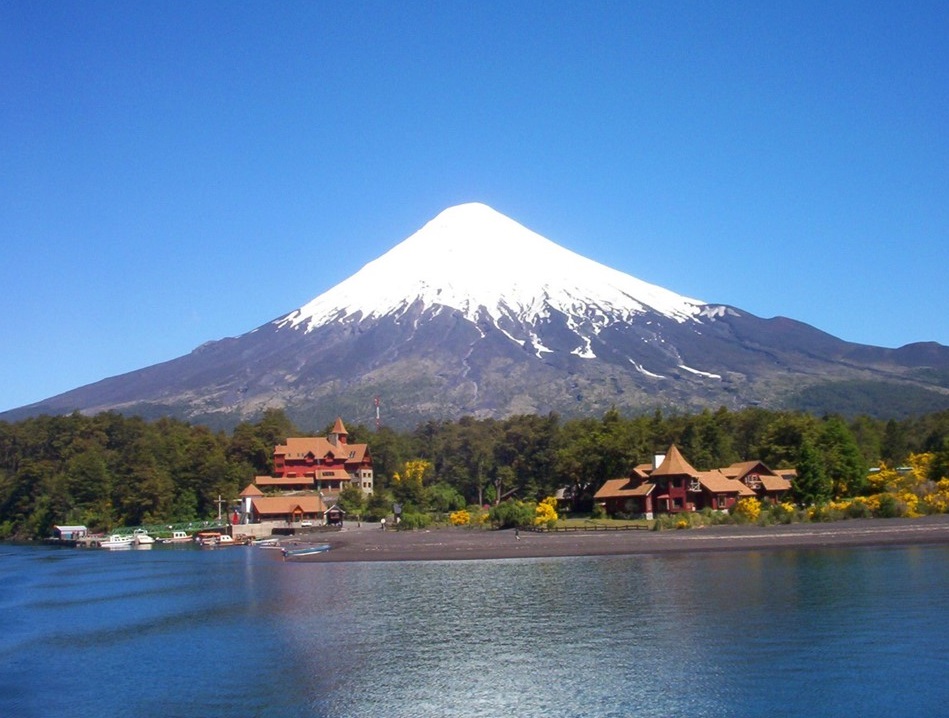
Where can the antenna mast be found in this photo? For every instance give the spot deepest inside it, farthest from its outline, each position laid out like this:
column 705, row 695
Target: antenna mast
column 378, row 422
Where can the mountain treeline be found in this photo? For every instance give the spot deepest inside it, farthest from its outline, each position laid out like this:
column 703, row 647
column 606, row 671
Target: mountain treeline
column 112, row 470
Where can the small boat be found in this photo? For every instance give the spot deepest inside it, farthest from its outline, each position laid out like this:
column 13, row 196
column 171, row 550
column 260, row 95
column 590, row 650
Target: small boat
column 117, row 541
column 142, row 538
column 296, row 553
column 213, row 539
column 267, row 543
column 176, row 537
column 207, row 538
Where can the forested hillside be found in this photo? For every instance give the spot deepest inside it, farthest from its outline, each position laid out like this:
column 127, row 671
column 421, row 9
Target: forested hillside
column 110, row 470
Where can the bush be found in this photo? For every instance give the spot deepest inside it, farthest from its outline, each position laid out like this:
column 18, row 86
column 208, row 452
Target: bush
column 459, row 518
column 747, row 510
column 665, row 521
column 783, row 513
column 413, row 520
column 546, row 513
column 511, row 514
column 859, row 509
column 890, row 507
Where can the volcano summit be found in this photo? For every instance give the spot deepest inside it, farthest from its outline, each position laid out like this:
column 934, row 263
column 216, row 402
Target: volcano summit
column 475, row 314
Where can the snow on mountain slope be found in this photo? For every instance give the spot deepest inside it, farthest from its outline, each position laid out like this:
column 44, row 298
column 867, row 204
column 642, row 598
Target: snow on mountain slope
column 475, row 260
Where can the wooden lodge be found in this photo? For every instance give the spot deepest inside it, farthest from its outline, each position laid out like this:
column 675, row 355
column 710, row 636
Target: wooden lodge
column 288, row 509
column 672, row 485
column 308, row 471
column 320, row 463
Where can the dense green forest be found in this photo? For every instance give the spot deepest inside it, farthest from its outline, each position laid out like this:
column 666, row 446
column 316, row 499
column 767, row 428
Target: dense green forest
column 111, row 470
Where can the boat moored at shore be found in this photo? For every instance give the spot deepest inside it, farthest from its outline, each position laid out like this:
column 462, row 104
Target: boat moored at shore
column 304, row 552
column 117, row 541
column 142, row 538
column 176, row 537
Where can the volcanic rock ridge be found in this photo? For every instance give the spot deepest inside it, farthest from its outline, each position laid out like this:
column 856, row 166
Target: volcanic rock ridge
column 475, row 314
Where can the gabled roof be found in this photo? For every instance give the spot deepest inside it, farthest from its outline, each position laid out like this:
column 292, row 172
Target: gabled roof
column 251, row 490
column 297, row 448
column 271, row 505
column 357, row 452
column 775, row 483
column 741, row 468
column 622, row 488
column 718, row 483
column 770, row 480
column 283, row 480
column 674, row 465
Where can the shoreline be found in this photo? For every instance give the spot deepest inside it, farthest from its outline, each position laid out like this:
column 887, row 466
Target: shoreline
column 369, row 543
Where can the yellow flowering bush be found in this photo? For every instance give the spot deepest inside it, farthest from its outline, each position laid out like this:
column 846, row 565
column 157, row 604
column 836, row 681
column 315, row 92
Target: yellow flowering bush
column 911, row 501
column 840, row 505
column 883, row 480
column 748, row 508
column 546, row 512
column 937, row 501
column 873, row 503
column 782, row 513
column 459, row 518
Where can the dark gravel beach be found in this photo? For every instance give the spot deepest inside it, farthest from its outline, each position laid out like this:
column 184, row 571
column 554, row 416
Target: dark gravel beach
column 369, row 543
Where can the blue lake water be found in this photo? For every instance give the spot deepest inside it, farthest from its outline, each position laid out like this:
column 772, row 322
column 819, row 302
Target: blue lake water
column 183, row 632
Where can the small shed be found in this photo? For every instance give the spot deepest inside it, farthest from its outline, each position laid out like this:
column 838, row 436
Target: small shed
column 70, row 533
column 335, row 515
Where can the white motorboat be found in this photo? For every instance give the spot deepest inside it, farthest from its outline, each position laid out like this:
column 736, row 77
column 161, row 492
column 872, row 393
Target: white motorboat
column 142, row 538
column 176, row 537
column 117, row 541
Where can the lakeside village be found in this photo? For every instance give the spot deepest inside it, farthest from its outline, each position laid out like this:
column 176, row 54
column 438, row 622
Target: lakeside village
column 310, row 472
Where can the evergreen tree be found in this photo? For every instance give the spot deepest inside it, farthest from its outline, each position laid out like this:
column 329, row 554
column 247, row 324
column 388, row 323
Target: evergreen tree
column 812, row 486
column 843, row 463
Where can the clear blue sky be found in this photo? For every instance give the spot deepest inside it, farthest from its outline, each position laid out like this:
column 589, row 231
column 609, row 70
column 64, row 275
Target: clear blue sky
column 177, row 172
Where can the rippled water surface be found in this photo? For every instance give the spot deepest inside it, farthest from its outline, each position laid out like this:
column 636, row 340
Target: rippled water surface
column 183, row 632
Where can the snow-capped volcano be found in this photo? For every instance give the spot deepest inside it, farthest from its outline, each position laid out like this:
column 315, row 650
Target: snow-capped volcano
column 477, row 261
column 476, row 315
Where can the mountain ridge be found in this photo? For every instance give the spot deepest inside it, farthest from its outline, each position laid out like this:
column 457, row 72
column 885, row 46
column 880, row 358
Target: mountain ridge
column 475, row 314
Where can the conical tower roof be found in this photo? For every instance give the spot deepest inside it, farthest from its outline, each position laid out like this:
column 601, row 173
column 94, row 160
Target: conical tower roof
column 674, row 465
column 338, row 428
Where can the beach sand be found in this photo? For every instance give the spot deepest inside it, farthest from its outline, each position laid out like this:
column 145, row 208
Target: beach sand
column 369, row 543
